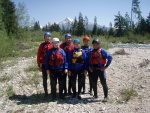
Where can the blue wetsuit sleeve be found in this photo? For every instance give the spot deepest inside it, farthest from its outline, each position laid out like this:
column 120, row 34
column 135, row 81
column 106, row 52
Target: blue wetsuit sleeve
column 65, row 65
column 107, row 56
column 69, row 57
column 85, row 59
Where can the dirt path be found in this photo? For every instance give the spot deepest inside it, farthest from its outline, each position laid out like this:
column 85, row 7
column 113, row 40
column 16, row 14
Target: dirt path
column 124, row 73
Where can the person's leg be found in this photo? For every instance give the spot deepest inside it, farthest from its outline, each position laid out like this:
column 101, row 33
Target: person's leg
column 83, row 87
column 90, row 82
column 61, row 81
column 73, row 78
column 104, row 84
column 53, row 80
column 65, row 87
column 80, row 82
column 69, row 85
column 44, row 76
column 94, row 78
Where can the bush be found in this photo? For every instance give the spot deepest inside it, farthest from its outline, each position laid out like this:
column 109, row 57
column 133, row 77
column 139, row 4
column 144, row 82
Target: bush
column 10, row 91
column 7, row 48
column 128, row 93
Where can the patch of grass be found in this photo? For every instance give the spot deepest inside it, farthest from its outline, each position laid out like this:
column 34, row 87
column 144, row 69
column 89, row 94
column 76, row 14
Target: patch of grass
column 120, row 52
column 120, row 101
column 36, row 81
column 144, row 63
column 31, row 68
column 7, row 48
column 9, row 91
column 4, row 78
column 127, row 94
column 30, row 53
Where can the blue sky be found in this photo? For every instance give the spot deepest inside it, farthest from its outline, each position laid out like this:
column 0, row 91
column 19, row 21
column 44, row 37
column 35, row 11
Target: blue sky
column 52, row 11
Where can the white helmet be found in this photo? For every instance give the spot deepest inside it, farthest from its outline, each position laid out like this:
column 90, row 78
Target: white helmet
column 55, row 40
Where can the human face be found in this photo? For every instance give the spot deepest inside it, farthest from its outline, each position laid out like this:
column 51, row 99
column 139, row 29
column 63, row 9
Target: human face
column 86, row 42
column 77, row 45
column 56, row 44
column 96, row 46
column 47, row 38
column 68, row 39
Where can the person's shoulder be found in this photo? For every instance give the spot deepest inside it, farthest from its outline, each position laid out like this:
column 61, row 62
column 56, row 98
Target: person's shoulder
column 82, row 47
column 83, row 51
column 102, row 49
column 63, row 43
column 61, row 49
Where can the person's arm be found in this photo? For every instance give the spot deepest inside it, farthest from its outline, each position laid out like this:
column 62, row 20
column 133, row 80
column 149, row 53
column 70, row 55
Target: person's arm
column 39, row 53
column 65, row 65
column 85, row 59
column 107, row 56
column 69, row 57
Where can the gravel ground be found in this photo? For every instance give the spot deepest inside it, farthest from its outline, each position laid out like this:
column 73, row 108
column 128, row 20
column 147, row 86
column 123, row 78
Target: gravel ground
column 129, row 71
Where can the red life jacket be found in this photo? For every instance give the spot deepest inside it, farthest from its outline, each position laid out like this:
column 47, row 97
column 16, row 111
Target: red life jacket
column 56, row 59
column 67, row 47
column 97, row 58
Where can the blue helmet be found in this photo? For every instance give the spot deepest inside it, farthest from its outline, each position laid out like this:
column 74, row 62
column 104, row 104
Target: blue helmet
column 47, row 34
column 76, row 41
column 68, row 35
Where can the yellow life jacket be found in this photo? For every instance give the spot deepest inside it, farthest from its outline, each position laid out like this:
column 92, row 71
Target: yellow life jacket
column 76, row 55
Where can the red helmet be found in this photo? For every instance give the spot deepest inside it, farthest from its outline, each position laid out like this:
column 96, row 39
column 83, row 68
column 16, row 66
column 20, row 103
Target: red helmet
column 86, row 38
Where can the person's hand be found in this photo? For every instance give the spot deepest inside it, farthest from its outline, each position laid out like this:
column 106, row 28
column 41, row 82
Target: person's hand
column 40, row 69
column 103, row 68
column 48, row 72
column 69, row 73
column 90, row 68
column 66, row 71
column 85, row 72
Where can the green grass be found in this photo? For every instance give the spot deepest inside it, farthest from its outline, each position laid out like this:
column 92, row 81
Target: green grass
column 127, row 94
column 31, row 68
column 26, row 44
column 9, row 91
column 4, row 78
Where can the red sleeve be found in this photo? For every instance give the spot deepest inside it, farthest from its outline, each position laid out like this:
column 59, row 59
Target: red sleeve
column 61, row 46
column 39, row 55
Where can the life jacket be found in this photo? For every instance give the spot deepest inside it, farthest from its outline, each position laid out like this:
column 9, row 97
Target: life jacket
column 76, row 56
column 46, row 47
column 56, row 59
column 67, row 47
column 97, row 58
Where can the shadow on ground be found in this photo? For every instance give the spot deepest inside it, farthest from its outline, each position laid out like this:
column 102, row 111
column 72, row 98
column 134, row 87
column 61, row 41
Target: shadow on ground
column 39, row 98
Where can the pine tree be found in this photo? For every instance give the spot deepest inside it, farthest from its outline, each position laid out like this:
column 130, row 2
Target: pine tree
column 111, row 30
column 75, row 27
column 142, row 27
column 36, row 26
column 2, row 28
column 81, row 28
column 8, row 17
column 119, row 24
column 135, row 9
column 94, row 31
column 148, row 24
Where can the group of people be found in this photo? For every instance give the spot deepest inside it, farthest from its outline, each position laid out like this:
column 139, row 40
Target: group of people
column 69, row 61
